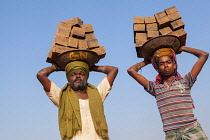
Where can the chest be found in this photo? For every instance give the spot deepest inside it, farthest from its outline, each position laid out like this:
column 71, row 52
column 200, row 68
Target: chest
column 82, row 95
column 177, row 89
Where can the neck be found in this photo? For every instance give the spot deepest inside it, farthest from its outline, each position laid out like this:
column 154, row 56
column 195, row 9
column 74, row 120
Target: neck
column 80, row 91
column 168, row 79
column 82, row 94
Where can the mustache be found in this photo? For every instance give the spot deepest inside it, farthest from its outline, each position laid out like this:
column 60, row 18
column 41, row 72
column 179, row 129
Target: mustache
column 78, row 79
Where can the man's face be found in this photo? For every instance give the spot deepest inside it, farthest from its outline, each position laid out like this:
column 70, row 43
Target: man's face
column 166, row 66
column 78, row 81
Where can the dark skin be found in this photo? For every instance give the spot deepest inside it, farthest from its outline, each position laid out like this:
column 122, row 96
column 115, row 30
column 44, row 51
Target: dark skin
column 166, row 67
column 77, row 78
column 43, row 74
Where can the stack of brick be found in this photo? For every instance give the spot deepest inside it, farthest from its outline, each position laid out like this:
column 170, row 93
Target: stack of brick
column 74, row 35
column 168, row 22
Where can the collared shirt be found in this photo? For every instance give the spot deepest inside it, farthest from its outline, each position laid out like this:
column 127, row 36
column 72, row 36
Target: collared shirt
column 174, row 102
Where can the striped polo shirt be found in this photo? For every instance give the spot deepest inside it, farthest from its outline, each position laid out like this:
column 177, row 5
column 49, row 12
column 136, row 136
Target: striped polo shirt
column 174, row 102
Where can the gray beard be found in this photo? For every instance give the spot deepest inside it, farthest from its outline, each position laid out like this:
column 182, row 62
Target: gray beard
column 78, row 86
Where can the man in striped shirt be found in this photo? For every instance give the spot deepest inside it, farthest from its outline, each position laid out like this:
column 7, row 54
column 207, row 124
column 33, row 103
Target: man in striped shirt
column 172, row 92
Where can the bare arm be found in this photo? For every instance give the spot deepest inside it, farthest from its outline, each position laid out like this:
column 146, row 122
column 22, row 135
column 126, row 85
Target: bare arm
column 111, row 72
column 43, row 74
column 202, row 57
column 133, row 72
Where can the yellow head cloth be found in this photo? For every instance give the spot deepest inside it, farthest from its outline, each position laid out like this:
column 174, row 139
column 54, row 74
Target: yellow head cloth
column 162, row 52
column 77, row 66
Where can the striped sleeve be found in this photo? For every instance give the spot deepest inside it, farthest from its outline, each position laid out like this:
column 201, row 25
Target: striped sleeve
column 150, row 88
column 189, row 79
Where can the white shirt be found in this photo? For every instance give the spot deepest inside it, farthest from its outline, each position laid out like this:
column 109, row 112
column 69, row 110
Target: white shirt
column 88, row 131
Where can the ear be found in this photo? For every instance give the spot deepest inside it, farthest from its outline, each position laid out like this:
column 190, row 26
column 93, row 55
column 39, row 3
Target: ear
column 174, row 65
column 157, row 70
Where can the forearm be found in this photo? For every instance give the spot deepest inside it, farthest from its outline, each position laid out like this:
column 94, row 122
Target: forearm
column 111, row 72
column 202, row 57
column 133, row 72
column 135, row 68
column 104, row 69
column 45, row 72
column 196, row 52
column 42, row 76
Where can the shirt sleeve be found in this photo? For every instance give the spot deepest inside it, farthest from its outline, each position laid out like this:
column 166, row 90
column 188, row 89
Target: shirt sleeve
column 150, row 88
column 189, row 79
column 54, row 94
column 104, row 88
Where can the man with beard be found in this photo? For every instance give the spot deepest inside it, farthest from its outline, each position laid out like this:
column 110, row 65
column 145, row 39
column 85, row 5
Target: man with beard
column 81, row 114
column 172, row 92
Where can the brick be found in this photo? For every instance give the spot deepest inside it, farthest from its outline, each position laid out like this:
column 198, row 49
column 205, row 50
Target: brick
column 93, row 43
column 100, row 51
column 162, row 19
column 174, row 16
column 62, row 32
column 59, row 40
column 163, row 22
column 170, row 10
column 78, row 32
column 151, row 34
column 140, row 37
column 152, row 27
column 90, row 36
column 160, row 15
column 182, row 34
column 57, row 49
column 83, row 44
column 139, row 27
column 165, row 31
column 138, row 20
column 73, row 42
column 140, row 43
column 64, row 26
column 150, row 20
column 88, row 28
column 177, row 24
column 76, row 21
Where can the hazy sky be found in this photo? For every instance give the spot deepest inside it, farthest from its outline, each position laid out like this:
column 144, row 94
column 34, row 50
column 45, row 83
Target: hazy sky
column 27, row 30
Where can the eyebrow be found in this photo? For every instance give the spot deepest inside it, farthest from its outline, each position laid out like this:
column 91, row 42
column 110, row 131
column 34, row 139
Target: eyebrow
column 78, row 72
column 166, row 61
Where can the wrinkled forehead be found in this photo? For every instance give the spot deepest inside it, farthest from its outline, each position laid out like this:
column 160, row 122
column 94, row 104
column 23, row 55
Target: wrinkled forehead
column 78, row 71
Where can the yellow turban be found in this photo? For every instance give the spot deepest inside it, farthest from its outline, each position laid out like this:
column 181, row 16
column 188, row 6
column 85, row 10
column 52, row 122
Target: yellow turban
column 162, row 52
column 77, row 66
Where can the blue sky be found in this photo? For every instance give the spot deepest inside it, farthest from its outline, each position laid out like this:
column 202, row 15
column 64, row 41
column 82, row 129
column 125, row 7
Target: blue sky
column 27, row 31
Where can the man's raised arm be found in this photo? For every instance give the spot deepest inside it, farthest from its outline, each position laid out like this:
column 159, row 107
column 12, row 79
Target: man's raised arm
column 202, row 57
column 43, row 74
column 111, row 72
